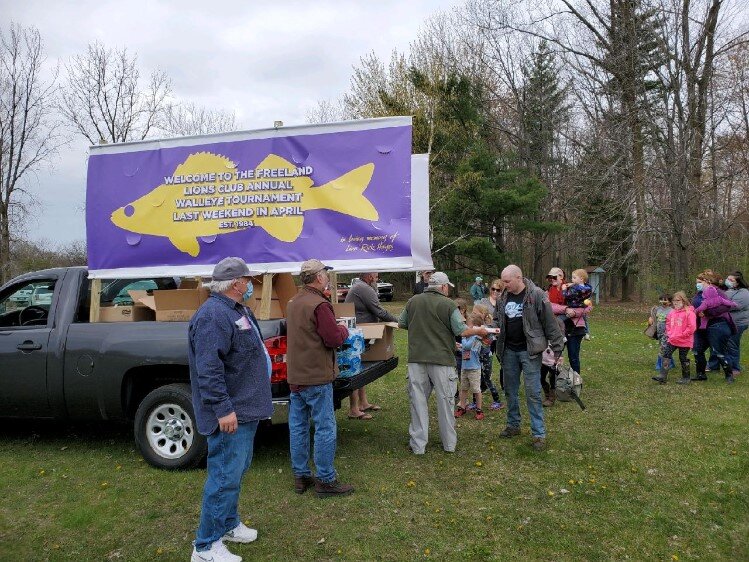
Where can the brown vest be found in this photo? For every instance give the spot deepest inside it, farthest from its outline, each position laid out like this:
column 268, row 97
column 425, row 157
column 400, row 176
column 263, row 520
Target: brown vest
column 308, row 361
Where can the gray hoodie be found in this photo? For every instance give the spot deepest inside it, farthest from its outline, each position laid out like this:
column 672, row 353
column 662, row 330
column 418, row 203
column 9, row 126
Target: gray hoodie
column 740, row 296
column 539, row 324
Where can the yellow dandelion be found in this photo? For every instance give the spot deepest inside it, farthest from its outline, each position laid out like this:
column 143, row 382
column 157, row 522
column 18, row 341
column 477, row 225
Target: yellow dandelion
column 549, row 493
column 674, row 557
column 411, row 484
column 427, row 552
column 479, row 463
column 159, row 551
column 42, row 472
column 104, row 484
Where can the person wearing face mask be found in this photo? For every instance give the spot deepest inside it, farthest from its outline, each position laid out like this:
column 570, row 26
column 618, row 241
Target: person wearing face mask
column 230, row 378
column 680, row 325
column 714, row 321
column 738, row 292
column 312, row 336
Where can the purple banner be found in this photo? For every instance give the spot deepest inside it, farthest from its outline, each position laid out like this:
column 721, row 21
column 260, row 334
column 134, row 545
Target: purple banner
column 334, row 192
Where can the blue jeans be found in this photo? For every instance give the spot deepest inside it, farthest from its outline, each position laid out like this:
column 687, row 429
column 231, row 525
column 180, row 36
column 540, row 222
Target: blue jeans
column 315, row 402
column 701, row 345
column 229, row 457
column 512, row 363
column 486, row 373
column 573, row 351
column 733, row 353
column 718, row 335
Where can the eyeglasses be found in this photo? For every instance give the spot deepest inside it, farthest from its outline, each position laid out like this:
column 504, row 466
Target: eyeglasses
column 496, row 289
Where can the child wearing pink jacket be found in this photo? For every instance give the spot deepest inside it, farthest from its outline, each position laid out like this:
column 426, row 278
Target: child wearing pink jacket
column 681, row 324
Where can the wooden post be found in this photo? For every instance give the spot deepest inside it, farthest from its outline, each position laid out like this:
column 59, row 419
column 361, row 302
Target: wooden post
column 93, row 315
column 333, row 286
column 265, row 298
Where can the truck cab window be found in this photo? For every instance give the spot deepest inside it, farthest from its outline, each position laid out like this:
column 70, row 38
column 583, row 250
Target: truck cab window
column 116, row 292
column 27, row 304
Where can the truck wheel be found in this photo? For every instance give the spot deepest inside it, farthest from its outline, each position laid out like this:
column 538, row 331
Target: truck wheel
column 166, row 431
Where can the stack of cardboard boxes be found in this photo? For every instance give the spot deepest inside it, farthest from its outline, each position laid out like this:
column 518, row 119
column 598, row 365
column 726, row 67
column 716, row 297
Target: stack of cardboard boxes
column 179, row 305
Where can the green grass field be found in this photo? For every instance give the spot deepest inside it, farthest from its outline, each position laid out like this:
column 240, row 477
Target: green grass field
column 647, row 472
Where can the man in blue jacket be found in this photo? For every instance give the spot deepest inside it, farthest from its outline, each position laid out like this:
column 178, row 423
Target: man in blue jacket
column 230, row 379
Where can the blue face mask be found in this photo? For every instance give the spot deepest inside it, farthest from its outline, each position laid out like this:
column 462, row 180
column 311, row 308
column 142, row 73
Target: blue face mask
column 699, row 286
column 730, row 284
column 248, row 293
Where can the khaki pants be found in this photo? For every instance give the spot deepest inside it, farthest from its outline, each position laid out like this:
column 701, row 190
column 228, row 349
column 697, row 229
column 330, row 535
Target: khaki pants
column 422, row 378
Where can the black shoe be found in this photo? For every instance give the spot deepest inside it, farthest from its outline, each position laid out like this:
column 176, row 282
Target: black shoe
column 334, row 488
column 509, row 431
column 303, row 483
column 699, row 377
column 539, row 444
column 661, row 380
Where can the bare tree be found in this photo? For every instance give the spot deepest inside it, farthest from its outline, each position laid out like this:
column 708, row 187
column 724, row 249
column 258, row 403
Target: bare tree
column 327, row 111
column 104, row 100
column 183, row 119
column 28, row 129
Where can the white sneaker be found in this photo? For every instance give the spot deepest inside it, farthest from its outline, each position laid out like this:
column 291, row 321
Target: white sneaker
column 240, row 533
column 217, row 553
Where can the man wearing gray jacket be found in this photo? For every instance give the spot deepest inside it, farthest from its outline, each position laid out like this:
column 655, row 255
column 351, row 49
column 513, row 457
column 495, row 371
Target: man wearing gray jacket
column 527, row 326
column 366, row 301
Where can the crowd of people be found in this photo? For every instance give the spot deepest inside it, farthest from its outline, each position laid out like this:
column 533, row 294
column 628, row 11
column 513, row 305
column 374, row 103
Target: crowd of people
column 712, row 322
column 525, row 326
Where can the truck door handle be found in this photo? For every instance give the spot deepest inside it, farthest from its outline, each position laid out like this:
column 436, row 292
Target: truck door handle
column 29, row 345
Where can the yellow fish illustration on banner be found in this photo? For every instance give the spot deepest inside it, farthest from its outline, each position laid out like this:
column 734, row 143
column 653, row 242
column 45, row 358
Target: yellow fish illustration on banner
column 275, row 196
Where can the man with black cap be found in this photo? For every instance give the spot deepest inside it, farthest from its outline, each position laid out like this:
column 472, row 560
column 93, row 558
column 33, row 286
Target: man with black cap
column 230, row 379
column 433, row 321
column 312, row 335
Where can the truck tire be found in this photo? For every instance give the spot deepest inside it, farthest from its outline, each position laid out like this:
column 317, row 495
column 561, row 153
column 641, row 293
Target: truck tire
column 166, row 431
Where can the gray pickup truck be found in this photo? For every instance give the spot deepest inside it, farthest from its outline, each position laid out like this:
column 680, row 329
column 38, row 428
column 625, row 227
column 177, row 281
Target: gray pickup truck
column 55, row 364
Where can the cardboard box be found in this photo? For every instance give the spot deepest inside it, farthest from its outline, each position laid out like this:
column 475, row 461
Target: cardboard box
column 344, row 309
column 190, row 283
column 135, row 313
column 380, row 338
column 282, row 290
column 176, row 305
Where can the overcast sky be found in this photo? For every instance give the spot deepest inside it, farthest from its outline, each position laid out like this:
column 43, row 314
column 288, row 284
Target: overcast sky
column 263, row 60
